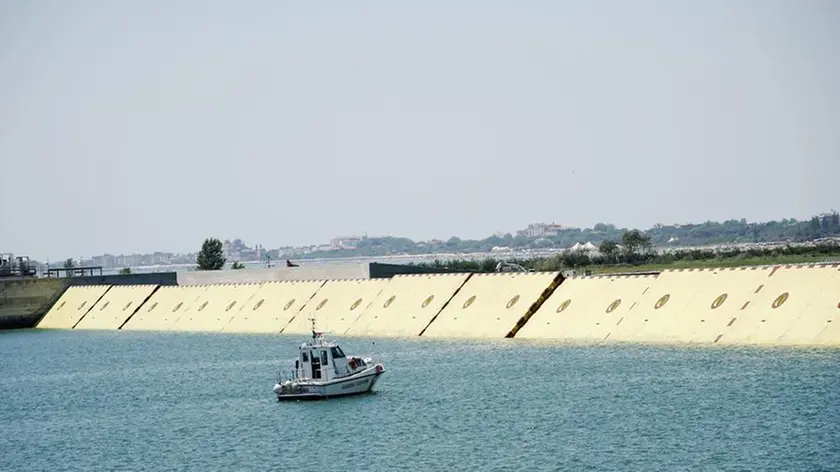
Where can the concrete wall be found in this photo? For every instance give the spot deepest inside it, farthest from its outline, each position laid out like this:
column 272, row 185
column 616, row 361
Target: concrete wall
column 373, row 270
column 378, row 270
column 279, row 274
column 155, row 278
column 23, row 302
column 781, row 305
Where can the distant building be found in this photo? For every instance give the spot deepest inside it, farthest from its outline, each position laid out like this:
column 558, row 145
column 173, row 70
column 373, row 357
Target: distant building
column 105, row 260
column 345, row 242
column 236, row 250
column 540, row 230
column 830, row 221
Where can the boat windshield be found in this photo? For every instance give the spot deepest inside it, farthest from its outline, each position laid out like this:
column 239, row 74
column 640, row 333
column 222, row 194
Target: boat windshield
column 337, row 352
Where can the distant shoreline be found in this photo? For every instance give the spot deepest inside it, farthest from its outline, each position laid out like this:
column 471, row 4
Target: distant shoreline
column 621, row 262
column 532, row 257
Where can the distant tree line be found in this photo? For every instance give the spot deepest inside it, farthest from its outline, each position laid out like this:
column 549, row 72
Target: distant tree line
column 789, row 230
column 616, row 245
column 610, row 254
column 708, row 233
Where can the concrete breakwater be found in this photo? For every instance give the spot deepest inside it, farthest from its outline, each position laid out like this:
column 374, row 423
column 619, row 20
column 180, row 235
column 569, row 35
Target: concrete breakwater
column 24, row 301
column 775, row 305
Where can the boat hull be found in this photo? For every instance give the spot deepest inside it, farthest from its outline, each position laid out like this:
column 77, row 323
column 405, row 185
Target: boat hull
column 362, row 382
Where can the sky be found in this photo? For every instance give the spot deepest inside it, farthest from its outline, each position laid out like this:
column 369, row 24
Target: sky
column 148, row 126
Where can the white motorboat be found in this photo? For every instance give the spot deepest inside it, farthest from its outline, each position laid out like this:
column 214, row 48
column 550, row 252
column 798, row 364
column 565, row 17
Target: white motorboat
column 322, row 370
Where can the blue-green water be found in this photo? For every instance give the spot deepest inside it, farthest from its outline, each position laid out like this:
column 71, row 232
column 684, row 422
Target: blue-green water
column 142, row 401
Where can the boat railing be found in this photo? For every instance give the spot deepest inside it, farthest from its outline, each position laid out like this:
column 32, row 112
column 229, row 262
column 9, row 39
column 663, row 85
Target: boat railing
column 289, row 374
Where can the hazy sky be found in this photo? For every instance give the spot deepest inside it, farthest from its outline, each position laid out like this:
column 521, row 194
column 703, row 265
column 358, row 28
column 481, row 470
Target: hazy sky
column 143, row 126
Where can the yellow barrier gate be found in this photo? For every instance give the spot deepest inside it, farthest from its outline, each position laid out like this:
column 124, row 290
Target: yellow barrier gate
column 490, row 305
column 271, row 307
column 407, row 305
column 72, row 306
column 336, row 306
column 117, row 305
column 587, row 308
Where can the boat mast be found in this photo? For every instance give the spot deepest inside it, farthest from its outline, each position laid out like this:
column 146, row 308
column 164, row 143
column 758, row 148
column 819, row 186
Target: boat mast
column 314, row 334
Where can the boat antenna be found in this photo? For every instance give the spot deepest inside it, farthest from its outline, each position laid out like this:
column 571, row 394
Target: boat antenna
column 315, row 334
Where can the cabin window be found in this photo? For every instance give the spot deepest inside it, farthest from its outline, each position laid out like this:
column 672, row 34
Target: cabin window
column 337, row 352
column 304, row 357
column 324, row 358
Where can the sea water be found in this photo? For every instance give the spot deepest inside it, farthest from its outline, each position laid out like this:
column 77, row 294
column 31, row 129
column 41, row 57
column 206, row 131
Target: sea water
column 76, row 400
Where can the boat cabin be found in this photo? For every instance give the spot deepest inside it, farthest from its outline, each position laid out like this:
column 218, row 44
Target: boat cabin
column 322, row 360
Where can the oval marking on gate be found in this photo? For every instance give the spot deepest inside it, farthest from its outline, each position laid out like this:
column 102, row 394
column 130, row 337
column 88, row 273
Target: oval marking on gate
column 512, row 301
column 427, row 301
column 662, row 301
column 321, row 305
column 613, row 305
column 564, row 305
column 389, row 301
column 719, row 301
column 469, row 302
column 780, row 300
column 289, row 304
column 355, row 304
